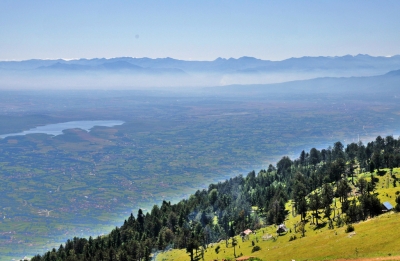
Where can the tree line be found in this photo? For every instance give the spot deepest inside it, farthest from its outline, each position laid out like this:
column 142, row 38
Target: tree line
column 314, row 182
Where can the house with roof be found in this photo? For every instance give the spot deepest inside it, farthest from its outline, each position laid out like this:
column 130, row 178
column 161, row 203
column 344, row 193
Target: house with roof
column 245, row 234
column 281, row 229
column 386, row 206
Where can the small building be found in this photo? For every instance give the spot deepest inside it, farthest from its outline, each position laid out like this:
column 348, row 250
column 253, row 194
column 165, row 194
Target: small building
column 386, row 206
column 247, row 232
column 281, row 229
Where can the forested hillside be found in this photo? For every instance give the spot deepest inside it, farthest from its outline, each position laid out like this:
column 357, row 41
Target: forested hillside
column 314, row 182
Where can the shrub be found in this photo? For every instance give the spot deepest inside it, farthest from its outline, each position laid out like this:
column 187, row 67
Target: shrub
column 292, row 238
column 339, row 221
column 336, row 194
column 217, row 249
column 349, row 228
column 255, row 248
column 397, row 207
column 257, row 226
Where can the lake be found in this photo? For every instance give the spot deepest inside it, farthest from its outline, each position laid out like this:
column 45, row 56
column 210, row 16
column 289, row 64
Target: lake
column 58, row 128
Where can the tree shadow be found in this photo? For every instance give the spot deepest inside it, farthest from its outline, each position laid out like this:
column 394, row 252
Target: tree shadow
column 197, row 258
column 381, row 172
column 376, row 179
column 320, row 225
column 283, row 234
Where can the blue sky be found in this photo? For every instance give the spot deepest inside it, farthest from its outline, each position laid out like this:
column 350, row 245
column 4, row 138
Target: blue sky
column 197, row 30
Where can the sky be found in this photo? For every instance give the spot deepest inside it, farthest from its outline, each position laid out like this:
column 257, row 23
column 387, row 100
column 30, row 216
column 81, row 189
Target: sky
column 197, row 30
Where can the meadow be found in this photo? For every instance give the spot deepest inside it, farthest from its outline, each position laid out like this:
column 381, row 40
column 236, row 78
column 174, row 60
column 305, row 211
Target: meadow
column 373, row 238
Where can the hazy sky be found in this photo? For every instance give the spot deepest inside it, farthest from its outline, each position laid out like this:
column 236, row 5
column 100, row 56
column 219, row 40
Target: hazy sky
column 197, row 30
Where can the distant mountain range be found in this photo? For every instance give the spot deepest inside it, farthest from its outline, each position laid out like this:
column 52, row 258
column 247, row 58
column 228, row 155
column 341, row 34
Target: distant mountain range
column 220, row 65
column 387, row 85
column 143, row 72
column 114, row 66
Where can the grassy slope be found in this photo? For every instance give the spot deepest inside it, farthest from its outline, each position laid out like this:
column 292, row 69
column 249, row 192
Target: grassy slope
column 373, row 238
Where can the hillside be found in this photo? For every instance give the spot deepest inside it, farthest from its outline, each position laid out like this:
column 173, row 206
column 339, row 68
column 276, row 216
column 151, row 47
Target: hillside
column 371, row 239
column 317, row 196
column 375, row 237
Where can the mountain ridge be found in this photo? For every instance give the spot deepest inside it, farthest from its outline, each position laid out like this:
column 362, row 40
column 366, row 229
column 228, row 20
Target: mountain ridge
column 131, row 73
column 241, row 64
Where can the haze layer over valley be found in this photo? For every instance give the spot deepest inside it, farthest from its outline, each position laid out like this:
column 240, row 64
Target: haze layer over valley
column 142, row 73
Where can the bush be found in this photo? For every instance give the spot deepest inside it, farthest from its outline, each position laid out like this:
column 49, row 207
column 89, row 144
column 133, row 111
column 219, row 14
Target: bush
column 349, row 228
column 339, row 221
column 397, row 207
column 292, row 238
column 336, row 194
column 255, row 248
column 217, row 249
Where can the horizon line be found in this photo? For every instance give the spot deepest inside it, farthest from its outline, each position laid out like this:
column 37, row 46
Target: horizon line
column 191, row 60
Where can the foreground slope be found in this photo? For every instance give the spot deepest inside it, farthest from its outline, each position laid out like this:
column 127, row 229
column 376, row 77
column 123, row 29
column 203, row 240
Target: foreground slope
column 377, row 237
column 374, row 239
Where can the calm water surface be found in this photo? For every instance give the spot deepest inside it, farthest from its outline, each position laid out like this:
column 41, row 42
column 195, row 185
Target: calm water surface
column 57, row 129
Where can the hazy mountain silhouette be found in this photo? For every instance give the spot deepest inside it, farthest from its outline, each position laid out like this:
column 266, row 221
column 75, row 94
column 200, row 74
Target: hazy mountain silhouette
column 231, row 65
column 387, row 83
column 128, row 72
